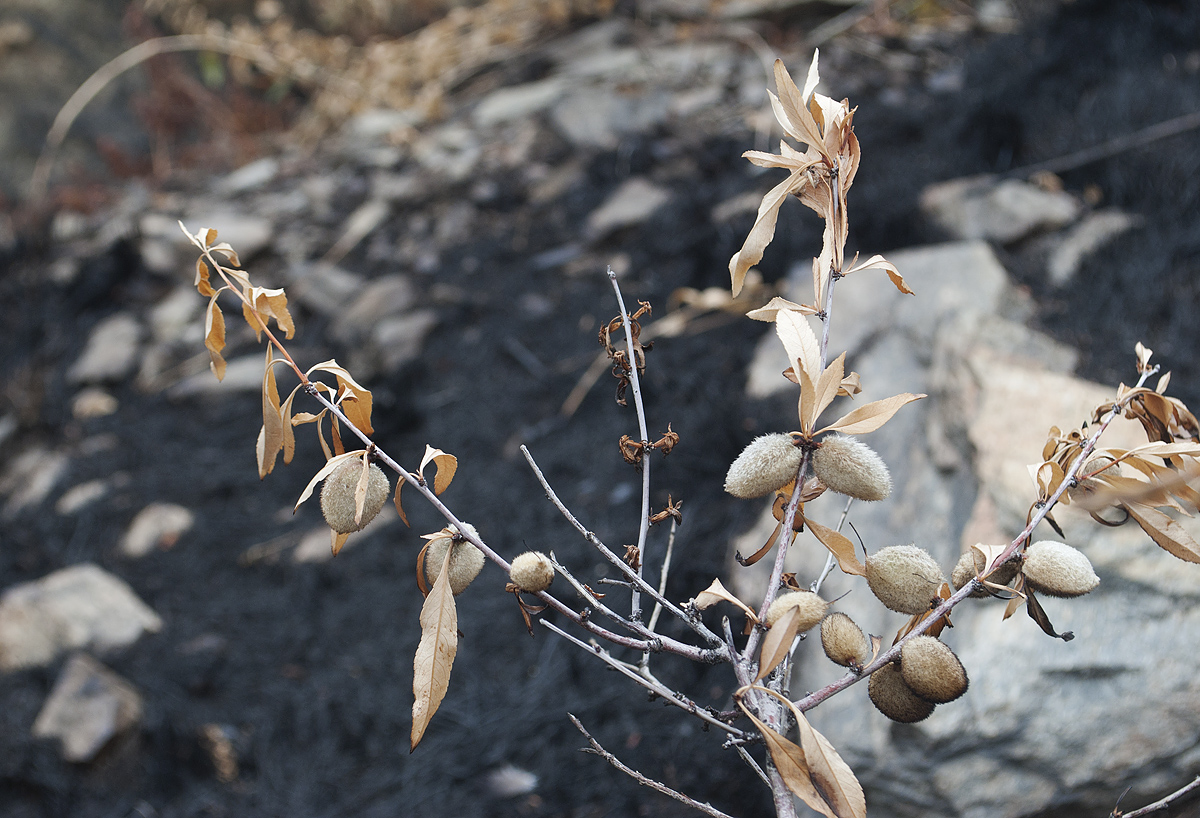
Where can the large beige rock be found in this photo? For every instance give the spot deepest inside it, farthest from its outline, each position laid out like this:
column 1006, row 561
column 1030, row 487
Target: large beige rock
column 88, row 707
column 82, row 606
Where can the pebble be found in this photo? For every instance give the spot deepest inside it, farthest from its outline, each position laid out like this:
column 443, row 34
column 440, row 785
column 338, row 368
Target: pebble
column 88, row 707
column 111, row 353
column 157, row 526
column 981, row 207
column 631, row 203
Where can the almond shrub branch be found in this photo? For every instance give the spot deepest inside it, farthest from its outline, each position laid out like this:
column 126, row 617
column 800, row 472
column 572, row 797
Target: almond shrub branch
column 908, row 678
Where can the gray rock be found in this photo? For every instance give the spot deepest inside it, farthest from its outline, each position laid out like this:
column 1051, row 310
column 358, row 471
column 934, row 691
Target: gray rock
column 631, row 203
column 981, row 207
column 597, row 117
column 158, row 525
column 451, row 151
column 384, row 297
column 30, row 478
column 518, row 101
column 88, row 707
column 1083, row 239
column 111, row 353
column 93, row 402
column 81, row 496
column 82, row 606
column 179, row 314
column 400, row 339
column 249, row 177
column 404, row 188
column 324, row 288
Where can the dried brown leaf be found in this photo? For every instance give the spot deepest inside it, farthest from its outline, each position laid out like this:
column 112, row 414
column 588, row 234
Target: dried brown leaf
column 871, row 416
column 828, row 384
column 717, row 593
column 289, row 432
column 850, row 385
column 1018, row 597
column 214, row 336
column 840, row 546
column 800, row 342
column 792, row 766
column 338, row 541
column 1038, row 615
column 435, row 652
column 791, row 109
column 880, row 263
column 777, row 644
column 1166, row 533
column 762, row 232
column 202, row 284
column 356, row 400
column 267, row 304
column 271, row 436
column 830, row 775
column 772, row 308
column 445, row 467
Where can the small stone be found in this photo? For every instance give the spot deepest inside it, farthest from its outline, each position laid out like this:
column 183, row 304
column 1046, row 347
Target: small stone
column 157, row 526
column 400, row 340
column 518, row 101
column 111, row 351
column 81, row 496
column 1084, row 239
column 509, row 781
column 93, row 402
column 980, row 207
column 250, row 176
column 631, row 203
column 384, row 297
column 30, row 478
column 82, row 606
column 88, row 706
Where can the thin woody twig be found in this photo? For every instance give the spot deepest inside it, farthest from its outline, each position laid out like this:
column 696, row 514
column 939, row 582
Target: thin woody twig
column 830, row 561
column 662, row 588
column 636, row 387
column 1162, row 803
column 654, row 686
column 692, row 622
column 596, row 749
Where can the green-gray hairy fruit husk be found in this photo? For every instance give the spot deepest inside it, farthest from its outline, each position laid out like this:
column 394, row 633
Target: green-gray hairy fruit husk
column 810, row 607
column 851, row 467
column 905, row 578
column 466, row 561
column 531, row 571
column 844, row 642
column 893, row 698
column 1057, row 569
column 931, row 670
column 970, row 564
column 337, row 496
column 767, row 464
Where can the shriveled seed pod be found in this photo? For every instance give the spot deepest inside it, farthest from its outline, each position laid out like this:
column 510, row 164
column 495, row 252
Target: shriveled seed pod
column 893, row 698
column 337, row 495
column 810, row 607
column 844, row 642
column 905, row 578
column 931, row 670
column 850, row 467
column 767, row 464
column 1057, row 569
column 531, row 571
column 466, row 561
column 971, row 563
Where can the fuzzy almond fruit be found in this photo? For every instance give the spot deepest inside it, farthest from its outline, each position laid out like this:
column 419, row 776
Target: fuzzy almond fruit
column 893, row 698
column 851, row 467
column 337, row 496
column 905, row 578
column 531, row 572
column 844, row 642
column 969, row 566
column 767, row 464
column 1057, row 569
column 931, row 670
column 809, row 606
column 466, row 561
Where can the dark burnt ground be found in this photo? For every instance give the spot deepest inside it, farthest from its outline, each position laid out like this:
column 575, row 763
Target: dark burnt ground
column 311, row 664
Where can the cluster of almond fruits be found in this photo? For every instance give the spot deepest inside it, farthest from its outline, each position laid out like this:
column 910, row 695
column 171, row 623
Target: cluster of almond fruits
column 905, row 578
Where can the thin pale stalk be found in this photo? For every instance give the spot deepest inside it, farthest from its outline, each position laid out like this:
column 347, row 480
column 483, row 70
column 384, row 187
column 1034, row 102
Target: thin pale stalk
column 829, row 559
column 692, row 622
column 636, row 386
column 706, row 808
column 752, row 764
column 667, row 695
column 662, row 588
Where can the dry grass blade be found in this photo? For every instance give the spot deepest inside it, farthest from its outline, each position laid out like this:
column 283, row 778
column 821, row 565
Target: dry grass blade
column 435, row 653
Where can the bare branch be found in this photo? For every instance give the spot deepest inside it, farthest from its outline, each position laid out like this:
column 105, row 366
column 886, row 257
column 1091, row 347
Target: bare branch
column 662, row 587
column 693, row 622
column 707, row 809
column 1162, row 803
column 635, row 382
column 651, row 684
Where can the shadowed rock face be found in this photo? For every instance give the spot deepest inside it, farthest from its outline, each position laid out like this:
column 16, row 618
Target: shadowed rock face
column 486, row 291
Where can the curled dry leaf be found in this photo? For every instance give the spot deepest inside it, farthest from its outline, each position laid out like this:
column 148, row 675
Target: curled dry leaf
column 214, row 336
column 840, row 546
column 1166, row 533
column 717, row 593
column 777, row 644
column 829, row 773
column 435, row 652
column 772, row 308
column 355, row 399
column 267, row 304
column 271, row 435
column 880, row 263
column 871, row 416
column 445, row 466
column 792, row 765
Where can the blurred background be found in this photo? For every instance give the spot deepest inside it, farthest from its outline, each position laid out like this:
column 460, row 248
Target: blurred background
column 440, row 186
